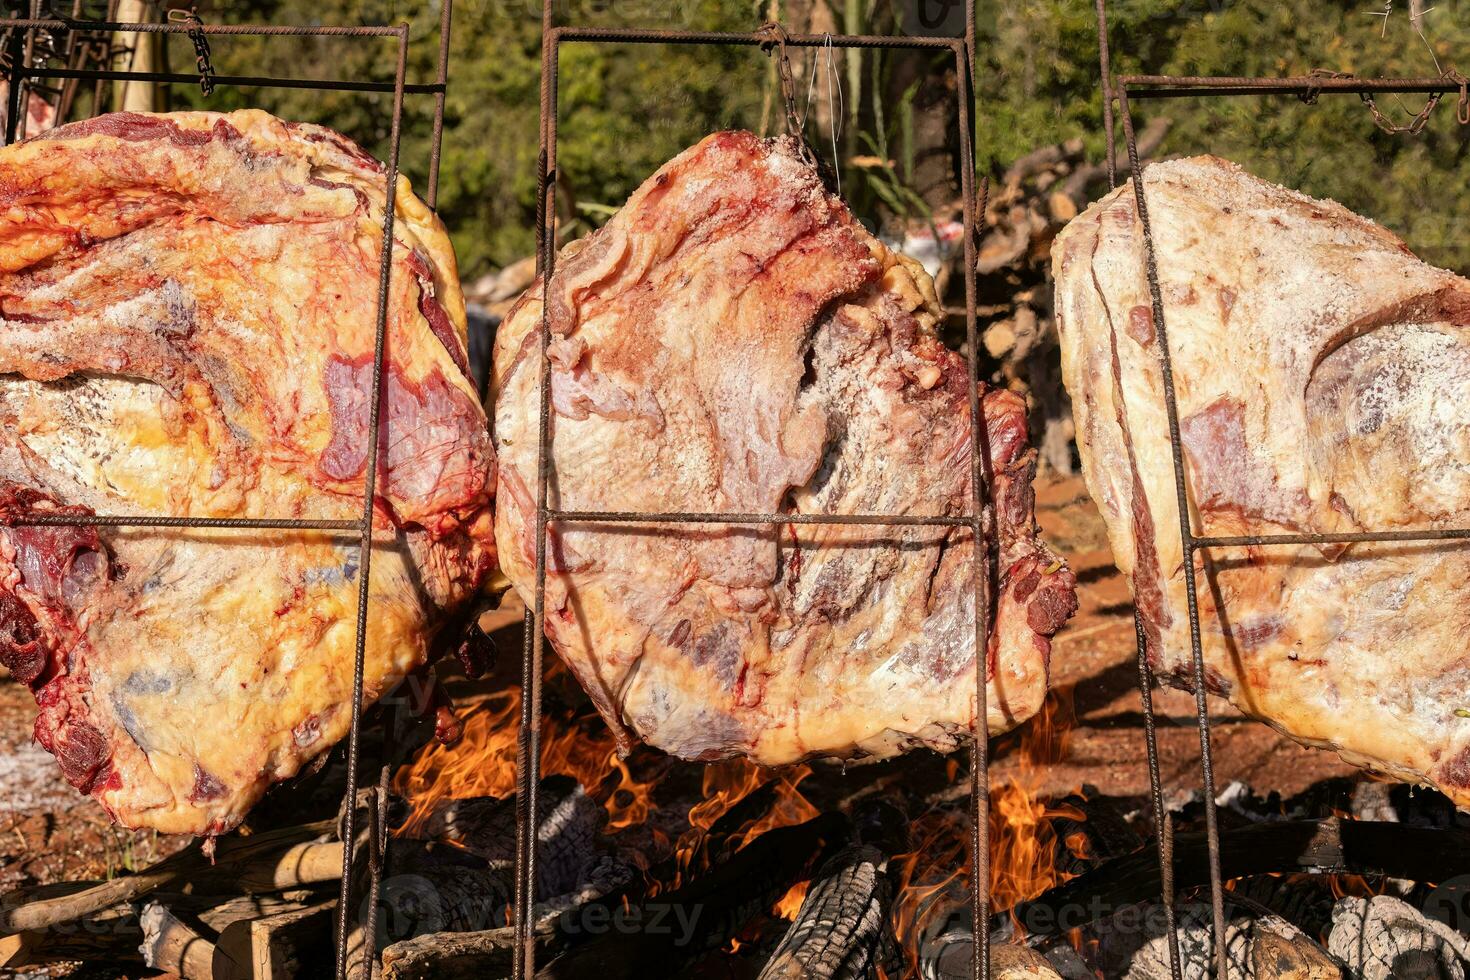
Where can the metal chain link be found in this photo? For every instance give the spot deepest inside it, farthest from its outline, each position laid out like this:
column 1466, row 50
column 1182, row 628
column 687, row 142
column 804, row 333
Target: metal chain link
column 201, row 45
column 1414, row 126
column 776, row 41
column 1463, row 115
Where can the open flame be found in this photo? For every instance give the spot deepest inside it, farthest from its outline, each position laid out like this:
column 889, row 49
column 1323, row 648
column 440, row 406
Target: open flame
column 930, row 878
column 577, row 743
column 1023, row 843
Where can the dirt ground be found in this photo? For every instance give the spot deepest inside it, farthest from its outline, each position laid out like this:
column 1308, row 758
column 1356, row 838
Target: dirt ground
column 48, row 833
column 1096, row 656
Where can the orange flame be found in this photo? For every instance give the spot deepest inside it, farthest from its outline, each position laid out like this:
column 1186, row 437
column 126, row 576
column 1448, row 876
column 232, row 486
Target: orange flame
column 483, row 762
column 578, row 744
column 790, row 903
column 1023, row 844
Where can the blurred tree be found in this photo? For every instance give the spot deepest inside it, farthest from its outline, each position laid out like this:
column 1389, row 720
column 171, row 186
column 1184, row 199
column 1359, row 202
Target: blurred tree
column 1039, row 85
column 627, row 109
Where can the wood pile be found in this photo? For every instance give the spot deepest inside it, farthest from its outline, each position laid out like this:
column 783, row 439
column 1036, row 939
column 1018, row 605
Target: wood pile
column 1028, row 205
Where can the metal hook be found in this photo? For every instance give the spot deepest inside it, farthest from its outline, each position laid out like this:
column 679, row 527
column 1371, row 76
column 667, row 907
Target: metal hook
column 1314, row 90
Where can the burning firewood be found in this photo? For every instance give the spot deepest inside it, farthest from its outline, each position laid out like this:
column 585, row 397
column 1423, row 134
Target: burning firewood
column 455, row 874
column 1384, row 938
column 1332, row 845
column 842, row 926
column 1007, row 962
column 706, row 913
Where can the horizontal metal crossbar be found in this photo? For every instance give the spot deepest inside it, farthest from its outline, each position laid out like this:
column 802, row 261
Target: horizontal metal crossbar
column 253, row 81
column 1349, row 537
column 561, row 35
column 1186, row 86
column 123, row 520
column 688, row 517
column 257, row 30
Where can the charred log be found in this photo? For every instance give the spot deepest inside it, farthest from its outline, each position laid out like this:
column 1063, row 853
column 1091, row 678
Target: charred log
column 673, row 929
column 1259, row 945
column 840, row 929
column 1383, row 938
column 956, row 961
column 1325, row 846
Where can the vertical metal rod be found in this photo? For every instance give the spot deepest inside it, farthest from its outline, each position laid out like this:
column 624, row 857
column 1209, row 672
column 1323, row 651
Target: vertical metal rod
column 1163, row 823
column 13, row 77
column 528, row 761
column 365, row 542
column 1105, row 65
column 980, row 502
column 446, row 14
column 23, row 87
column 1187, row 540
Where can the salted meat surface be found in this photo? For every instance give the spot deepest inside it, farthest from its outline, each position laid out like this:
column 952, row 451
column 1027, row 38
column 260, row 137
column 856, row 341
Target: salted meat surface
column 1323, row 382
column 733, row 341
column 188, row 305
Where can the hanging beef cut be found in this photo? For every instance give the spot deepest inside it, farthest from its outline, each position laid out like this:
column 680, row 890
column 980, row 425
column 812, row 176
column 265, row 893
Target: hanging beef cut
column 187, row 317
column 1323, row 379
column 734, row 341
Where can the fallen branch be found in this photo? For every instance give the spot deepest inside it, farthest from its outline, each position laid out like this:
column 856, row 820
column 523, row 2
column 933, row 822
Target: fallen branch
column 271, row 861
column 114, row 934
column 173, row 947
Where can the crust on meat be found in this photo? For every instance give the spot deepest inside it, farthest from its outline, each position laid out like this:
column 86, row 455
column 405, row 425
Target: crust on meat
column 188, row 306
column 734, row 341
column 1322, row 374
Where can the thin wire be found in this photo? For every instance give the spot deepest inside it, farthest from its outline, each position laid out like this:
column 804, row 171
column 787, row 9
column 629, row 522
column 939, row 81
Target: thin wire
column 836, row 112
column 811, row 82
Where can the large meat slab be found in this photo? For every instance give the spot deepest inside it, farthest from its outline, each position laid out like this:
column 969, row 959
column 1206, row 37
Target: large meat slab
column 734, row 341
column 1323, row 379
column 187, row 316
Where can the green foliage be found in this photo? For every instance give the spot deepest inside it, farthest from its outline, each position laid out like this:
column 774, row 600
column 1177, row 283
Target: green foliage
column 624, row 109
column 1041, row 86
column 627, row 109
